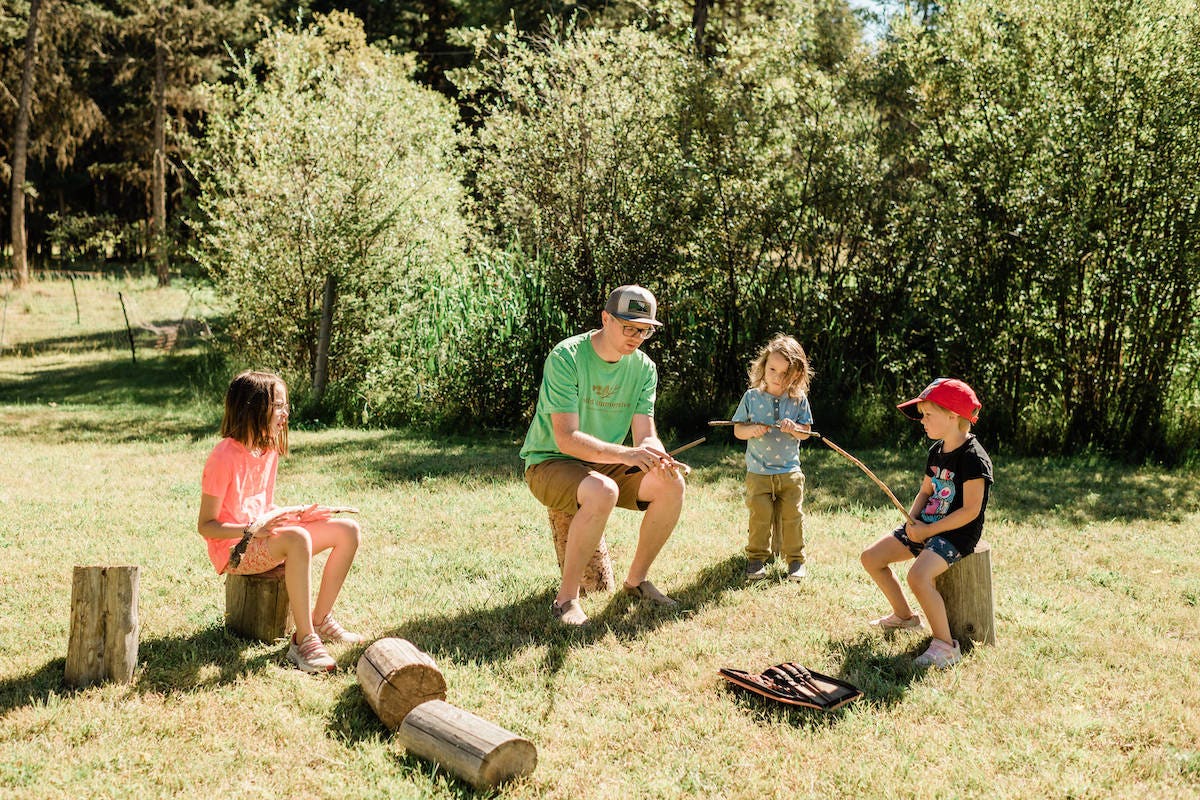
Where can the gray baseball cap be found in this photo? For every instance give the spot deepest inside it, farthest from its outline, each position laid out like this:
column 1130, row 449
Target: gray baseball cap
column 633, row 303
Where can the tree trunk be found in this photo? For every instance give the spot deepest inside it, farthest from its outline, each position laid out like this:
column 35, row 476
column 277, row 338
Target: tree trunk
column 321, row 368
column 158, row 189
column 699, row 23
column 20, row 151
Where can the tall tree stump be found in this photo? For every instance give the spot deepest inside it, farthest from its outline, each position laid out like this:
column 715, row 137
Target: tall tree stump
column 967, row 590
column 103, row 642
column 598, row 572
column 478, row 751
column 396, row 677
column 256, row 606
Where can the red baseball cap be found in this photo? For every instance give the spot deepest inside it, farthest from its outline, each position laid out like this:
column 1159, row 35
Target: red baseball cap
column 949, row 393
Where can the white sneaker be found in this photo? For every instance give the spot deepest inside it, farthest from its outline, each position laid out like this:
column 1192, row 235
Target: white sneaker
column 330, row 631
column 940, row 655
column 310, row 655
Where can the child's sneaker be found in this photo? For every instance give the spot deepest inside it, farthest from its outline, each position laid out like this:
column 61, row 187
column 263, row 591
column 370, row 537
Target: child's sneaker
column 310, row 655
column 797, row 571
column 891, row 622
column 756, row 570
column 330, row 631
column 939, row 655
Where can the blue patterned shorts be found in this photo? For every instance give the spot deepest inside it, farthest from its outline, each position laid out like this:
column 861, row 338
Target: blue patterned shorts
column 938, row 544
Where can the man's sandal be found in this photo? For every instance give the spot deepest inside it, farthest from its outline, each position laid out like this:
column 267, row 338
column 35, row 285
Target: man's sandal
column 647, row 592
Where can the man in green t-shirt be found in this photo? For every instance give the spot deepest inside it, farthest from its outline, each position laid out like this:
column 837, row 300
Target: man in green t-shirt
column 597, row 387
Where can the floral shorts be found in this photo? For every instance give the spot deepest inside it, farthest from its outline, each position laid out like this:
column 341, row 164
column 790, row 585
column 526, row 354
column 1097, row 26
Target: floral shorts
column 256, row 559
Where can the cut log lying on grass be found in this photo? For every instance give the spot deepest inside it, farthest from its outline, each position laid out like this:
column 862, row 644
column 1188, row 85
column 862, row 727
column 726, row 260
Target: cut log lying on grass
column 256, row 606
column 479, row 752
column 103, row 642
column 396, row 677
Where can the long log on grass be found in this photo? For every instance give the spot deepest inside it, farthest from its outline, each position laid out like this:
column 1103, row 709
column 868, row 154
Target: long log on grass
column 480, row 752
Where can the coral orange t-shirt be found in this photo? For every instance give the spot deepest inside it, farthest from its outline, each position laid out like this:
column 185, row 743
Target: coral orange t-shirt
column 245, row 485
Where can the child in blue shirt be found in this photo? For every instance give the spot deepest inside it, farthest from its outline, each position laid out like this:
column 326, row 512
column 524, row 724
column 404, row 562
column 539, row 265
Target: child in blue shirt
column 772, row 417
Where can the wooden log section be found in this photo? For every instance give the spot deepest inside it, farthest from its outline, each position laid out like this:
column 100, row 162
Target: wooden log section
column 966, row 589
column 396, row 677
column 256, row 606
column 598, row 572
column 479, row 752
column 103, row 641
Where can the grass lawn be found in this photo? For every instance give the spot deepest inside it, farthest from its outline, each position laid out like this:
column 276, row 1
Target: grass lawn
column 1092, row 691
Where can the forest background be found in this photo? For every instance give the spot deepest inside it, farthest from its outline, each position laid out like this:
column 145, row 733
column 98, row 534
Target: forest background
column 402, row 206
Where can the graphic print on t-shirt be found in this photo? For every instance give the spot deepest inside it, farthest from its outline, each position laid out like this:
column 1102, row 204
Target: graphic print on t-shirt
column 939, row 502
column 599, row 398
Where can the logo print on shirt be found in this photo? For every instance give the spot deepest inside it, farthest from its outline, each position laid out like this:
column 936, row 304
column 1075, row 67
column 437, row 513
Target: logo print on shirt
column 604, row 391
column 939, row 502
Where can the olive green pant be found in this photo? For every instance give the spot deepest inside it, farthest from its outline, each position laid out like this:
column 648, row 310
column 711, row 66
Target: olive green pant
column 764, row 495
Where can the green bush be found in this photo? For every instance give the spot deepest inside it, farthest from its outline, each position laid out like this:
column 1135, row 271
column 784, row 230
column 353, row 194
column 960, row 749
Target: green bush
column 326, row 161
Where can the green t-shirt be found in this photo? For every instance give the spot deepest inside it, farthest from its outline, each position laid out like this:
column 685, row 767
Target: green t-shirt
column 605, row 395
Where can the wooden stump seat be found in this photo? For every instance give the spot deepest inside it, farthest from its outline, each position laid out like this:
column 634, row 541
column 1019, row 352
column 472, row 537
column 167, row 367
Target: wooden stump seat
column 598, row 573
column 103, row 640
column 966, row 589
column 256, row 606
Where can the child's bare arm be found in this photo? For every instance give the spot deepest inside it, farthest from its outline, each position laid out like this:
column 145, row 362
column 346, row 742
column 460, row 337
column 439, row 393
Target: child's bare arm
column 923, row 495
column 750, row 430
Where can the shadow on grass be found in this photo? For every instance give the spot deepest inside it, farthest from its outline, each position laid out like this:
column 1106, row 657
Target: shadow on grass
column 399, row 457
column 167, row 665
column 197, row 662
column 496, row 634
column 152, row 382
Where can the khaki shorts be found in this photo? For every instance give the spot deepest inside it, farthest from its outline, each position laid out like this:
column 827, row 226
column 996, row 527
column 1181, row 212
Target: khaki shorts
column 556, row 483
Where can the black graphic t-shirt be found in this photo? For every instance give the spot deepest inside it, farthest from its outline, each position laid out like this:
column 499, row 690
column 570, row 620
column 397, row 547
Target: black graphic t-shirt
column 949, row 471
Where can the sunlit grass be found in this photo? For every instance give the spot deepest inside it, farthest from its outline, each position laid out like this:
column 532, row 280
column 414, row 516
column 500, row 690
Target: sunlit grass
column 1091, row 691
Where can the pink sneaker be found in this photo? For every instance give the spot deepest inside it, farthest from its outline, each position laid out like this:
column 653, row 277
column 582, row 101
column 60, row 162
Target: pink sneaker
column 940, row 655
column 891, row 622
column 310, row 655
column 330, row 631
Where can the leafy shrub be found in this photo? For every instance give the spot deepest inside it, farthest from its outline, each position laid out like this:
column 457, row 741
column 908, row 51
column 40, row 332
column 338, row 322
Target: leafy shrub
column 326, row 162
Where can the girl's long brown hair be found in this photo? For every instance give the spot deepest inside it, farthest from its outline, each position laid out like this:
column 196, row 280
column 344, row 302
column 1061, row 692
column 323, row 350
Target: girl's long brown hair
column 249, row 403
column 799, row 374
